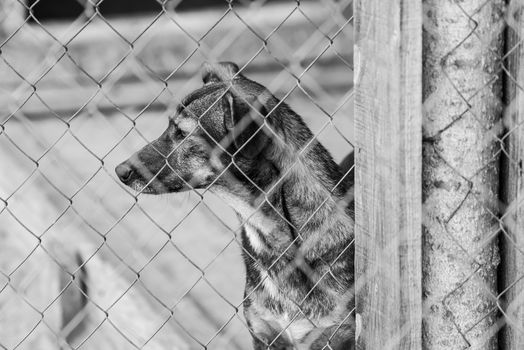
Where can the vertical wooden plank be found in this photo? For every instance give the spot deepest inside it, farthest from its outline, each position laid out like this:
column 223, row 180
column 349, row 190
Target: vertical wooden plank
column 512, row 178
column 388, row 119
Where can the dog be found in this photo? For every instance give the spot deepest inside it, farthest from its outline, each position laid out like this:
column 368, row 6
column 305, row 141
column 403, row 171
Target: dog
column 234, row 138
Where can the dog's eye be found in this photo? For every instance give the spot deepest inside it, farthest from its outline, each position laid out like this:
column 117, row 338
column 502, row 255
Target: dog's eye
column 179, row 133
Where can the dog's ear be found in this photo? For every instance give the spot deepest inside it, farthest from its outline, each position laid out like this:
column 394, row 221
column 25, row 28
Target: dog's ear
column 244, row 120
column 217, row 72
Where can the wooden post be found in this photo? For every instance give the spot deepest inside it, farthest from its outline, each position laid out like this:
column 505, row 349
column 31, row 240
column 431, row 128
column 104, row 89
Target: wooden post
column 513, row 182
column 463, row 43
column 388, row 119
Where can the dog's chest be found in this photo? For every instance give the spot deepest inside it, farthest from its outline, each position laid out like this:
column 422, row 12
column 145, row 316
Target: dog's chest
column 255, row 238
column 294, row 329
column 277, row 313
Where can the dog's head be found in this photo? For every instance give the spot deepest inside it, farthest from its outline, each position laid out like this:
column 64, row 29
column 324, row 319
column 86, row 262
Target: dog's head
column 221, row 121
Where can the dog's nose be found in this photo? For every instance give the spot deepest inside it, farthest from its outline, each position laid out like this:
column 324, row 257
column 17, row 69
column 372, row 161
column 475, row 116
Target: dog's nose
column 124, row 172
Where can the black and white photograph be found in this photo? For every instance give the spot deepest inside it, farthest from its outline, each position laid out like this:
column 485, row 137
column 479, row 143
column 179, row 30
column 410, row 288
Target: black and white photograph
column 261, row 174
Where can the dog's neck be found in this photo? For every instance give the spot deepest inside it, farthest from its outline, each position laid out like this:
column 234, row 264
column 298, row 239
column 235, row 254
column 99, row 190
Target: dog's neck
column 312, row 187
column 303, row 198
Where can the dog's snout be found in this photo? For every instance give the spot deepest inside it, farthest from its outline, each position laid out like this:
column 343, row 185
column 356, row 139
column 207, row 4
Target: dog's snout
column 124, row 172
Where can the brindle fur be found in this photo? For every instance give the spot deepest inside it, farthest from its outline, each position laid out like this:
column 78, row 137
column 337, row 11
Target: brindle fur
column 235, row 138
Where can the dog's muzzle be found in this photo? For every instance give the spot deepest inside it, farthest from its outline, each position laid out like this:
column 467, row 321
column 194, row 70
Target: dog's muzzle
column 125, row 173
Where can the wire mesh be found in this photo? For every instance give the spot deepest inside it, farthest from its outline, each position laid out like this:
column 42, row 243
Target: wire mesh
column 87, row 262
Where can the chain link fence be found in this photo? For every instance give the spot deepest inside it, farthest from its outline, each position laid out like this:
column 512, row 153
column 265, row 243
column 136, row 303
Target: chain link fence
column 86, row 262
